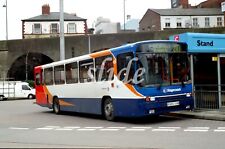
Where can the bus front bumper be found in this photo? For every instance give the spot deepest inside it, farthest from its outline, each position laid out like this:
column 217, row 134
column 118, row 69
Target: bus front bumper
column 139, row 107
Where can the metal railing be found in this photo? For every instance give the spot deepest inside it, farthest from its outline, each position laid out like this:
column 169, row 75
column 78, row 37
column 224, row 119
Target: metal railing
column 207, row 96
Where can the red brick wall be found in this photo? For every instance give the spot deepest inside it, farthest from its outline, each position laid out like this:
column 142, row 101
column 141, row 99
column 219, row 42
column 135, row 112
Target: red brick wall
column 150, row 22
column 211, row 4
column 184, row 3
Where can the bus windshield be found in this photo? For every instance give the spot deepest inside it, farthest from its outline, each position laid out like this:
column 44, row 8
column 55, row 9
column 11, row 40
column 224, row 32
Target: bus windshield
column 163, row 64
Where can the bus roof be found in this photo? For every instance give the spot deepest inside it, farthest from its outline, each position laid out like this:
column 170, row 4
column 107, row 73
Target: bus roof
column 122, row 48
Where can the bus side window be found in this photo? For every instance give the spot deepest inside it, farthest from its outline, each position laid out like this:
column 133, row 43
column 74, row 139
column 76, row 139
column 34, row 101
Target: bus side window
column 38, row 79
column 125, row 66
column 71, row 73
column 104, row 68
column 59, row 74
column 48, row 76
column 86, row 71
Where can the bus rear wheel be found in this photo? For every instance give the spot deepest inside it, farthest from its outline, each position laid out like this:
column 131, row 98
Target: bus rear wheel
column 108, row 110
column 56, row 106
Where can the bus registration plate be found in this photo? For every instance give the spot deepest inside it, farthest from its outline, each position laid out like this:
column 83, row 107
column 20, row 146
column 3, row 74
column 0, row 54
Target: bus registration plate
column 172, row 104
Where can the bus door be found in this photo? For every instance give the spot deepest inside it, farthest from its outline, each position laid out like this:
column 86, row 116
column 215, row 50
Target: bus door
column 39, row 87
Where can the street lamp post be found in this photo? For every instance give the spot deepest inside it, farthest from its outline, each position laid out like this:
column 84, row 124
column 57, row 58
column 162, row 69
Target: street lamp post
column 62, row 38
column 27, row 65
column 124, row 14
column 6, row 19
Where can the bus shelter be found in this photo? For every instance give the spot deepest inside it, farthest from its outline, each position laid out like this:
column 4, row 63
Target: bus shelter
column 207, row 67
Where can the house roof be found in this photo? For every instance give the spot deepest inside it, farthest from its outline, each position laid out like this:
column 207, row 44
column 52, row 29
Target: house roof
column 188, row 12
column 55, row 16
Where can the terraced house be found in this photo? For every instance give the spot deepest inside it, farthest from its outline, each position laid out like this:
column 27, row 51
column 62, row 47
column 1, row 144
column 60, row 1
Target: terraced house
column 47, row 24
column 161, row 19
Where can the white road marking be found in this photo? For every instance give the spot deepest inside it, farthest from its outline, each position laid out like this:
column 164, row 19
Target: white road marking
column 164, row 130
column 71, row 127
column 54, row 127
column 132, row 129
column 141, row 127
column 116, row 127
column 220, row 129
column 63, row 129
column 169, row 127
column 84, row 129
column 197, row 129
column 44, row 128
column 107, row 129
column 203, row 128
column 93, row 127
column 18, row 128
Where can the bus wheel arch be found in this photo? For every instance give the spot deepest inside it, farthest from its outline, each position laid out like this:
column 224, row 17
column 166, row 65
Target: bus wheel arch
column 56, row 105
column 107, row 108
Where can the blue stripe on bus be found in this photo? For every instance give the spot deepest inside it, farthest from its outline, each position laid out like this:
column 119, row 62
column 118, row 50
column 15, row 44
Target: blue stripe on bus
column 138, row 108
column 83, row 105
column 164, row 90
column 127, row 107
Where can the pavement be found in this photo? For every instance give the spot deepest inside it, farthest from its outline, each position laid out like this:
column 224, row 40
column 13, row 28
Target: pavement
column 218, row 115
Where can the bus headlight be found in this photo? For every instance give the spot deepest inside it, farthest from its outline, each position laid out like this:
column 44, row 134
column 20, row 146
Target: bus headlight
column 148, row 99
column 188, row 95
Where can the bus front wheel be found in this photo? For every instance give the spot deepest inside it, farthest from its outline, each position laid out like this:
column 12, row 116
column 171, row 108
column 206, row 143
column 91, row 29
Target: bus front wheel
column 108, row 110
column 56, row 106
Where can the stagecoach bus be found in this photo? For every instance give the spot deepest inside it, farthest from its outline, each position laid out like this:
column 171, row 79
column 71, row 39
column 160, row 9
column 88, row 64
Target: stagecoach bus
column 133, row 80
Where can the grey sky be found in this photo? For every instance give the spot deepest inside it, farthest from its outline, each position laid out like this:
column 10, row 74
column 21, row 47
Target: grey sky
column 89, row 9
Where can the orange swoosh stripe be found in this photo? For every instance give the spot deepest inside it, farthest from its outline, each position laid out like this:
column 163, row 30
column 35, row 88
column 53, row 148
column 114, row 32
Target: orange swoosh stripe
column 133, row 90
column 100, row 54
column 50, row 97
column 64, row 103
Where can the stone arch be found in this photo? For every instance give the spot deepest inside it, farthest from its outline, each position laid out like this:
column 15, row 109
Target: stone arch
column 22, row 68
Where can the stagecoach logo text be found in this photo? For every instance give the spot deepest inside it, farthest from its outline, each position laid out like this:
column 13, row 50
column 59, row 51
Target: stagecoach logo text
column 171, row 90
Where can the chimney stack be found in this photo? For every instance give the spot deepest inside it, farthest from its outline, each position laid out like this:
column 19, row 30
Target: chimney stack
column 45, row 9
column 184, row 3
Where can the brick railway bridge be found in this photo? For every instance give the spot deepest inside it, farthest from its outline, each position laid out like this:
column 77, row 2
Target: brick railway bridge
column 19, row 57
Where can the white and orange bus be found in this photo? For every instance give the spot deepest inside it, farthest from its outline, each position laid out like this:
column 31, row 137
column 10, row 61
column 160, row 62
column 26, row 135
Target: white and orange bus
column 133, row 80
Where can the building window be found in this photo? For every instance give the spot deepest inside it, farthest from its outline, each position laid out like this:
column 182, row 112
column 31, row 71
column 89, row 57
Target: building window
column 179, row 25
column 195, row 22
column 219, row 21
column 54, row 28
column 37, row 28
column 167, row 22
column 179, row 22
column 71, row 28
column 167, row 25
column 207, row 22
